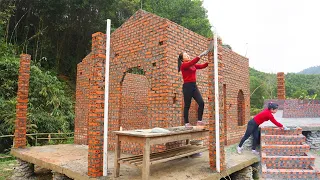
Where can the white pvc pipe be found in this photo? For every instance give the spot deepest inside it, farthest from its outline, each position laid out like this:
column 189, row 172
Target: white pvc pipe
column 106, row 101
column 216, row 100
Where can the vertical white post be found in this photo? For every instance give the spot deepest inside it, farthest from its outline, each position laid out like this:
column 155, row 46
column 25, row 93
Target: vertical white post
column 216, row 100
column 106, row 101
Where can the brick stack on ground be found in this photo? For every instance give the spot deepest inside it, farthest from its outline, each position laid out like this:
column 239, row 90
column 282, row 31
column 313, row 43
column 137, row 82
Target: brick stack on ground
column 285, row 155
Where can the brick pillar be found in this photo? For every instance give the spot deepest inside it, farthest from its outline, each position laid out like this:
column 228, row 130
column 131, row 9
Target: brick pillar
column 96, row 106
column 22, row 102
column 211, row 109
column 281, row 86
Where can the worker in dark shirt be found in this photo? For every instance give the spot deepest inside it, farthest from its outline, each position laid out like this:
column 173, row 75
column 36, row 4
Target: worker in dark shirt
column 253, row 126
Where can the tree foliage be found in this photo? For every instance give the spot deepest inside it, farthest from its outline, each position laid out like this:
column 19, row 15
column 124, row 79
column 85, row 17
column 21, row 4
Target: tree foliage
column 50, row 107
column 311, row 70
column 57, row 33
column 298, row 86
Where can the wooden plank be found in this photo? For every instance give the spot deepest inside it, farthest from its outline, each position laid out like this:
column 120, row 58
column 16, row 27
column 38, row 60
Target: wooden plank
column 178, row 137
column 153, row 154
column 179, row 156
column 169, row 157
column 146, row 160
column 124, row 138
column 147, row 132
column 117, row 154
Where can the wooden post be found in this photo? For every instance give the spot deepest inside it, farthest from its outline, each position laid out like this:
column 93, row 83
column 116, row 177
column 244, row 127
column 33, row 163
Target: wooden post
column 146, row 160
column 117, row 154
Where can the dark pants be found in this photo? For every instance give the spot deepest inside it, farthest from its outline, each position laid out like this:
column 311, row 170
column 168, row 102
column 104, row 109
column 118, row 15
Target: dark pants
column 190, row 90
column 253, row 129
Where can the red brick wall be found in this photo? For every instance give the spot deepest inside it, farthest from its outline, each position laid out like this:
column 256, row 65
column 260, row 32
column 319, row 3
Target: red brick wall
column 96, row 106
column 235, row 77
column 152, row 44
column 22, row 102
column 134, row 108
column 82, row 101
column 301, row 109
column 140, row 42
column 281, row 92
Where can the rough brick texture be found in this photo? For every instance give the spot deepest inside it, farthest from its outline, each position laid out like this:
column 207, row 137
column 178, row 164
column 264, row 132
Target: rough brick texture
column 82, row 101
column 151, row 44
column 301, row 109
column 22, row 102
column 235, row 74
column 96, row 106
column 211, row 111
column 289, row 174
column 285, row 150
column 294, row 108
column 277, row 131
column 284, row 155
column 288, row 162
column 281, row 86
column 283, row 140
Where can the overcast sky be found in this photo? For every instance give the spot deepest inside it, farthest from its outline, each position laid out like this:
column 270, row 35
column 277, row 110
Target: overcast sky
column 278, row 35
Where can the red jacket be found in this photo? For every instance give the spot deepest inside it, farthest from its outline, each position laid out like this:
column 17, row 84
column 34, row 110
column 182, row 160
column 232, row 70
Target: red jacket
column 266, row 115
column 189, row 69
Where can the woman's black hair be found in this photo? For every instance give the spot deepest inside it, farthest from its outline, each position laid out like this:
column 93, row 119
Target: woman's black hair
column 272, row 106
column 180, row 59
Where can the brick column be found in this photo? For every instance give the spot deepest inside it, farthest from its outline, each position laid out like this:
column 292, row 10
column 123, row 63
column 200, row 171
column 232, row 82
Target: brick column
column 211, row 109
column 281, row 86
column 22, row 102
column 96, row 106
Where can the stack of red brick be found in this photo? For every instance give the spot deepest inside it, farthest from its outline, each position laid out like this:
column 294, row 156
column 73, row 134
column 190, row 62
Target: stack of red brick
column 285, row 155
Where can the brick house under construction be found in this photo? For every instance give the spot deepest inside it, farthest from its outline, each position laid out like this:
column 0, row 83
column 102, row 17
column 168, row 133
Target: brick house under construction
column 145, row 88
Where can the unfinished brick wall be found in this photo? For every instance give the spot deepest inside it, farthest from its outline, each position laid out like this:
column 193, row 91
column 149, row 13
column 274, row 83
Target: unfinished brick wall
column 139, row 43
column 301, row 109
column 22, row 102
column 152, row 44
column 82, row 101
column 96, row 106
column 134, row 108
column 236, row 80
column 134, row 102
column 281, row 86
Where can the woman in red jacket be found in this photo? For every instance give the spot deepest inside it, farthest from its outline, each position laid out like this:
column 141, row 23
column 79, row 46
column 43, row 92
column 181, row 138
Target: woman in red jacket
column 190, row 89
column 253, row 126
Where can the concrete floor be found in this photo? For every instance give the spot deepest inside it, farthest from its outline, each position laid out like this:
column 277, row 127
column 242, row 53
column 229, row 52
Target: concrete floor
column 72, row 160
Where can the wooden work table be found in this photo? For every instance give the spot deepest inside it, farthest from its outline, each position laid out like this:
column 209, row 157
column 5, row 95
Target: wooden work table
column 147, row 138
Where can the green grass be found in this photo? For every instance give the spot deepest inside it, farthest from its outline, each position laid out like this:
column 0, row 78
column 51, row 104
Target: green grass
column 6, row 169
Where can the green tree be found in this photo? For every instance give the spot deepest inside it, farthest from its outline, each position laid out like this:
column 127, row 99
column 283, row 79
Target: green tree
column 57, row 33
column 258, row 92
column 188, row 13
column 50, row 107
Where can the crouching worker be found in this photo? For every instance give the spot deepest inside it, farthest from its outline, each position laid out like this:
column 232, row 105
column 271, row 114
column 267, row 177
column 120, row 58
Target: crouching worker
column 253, row 126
